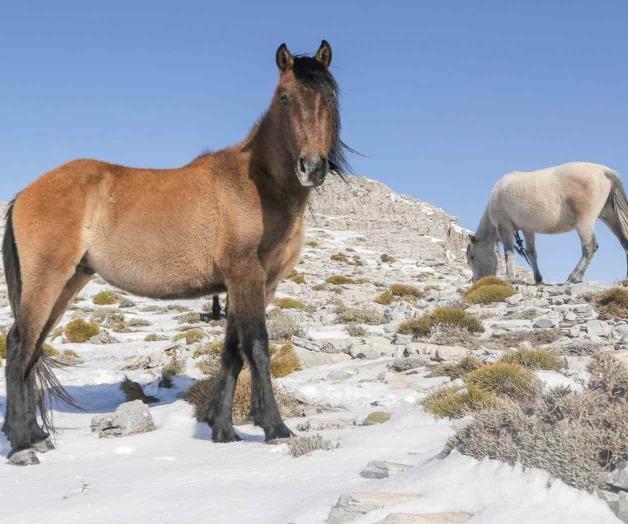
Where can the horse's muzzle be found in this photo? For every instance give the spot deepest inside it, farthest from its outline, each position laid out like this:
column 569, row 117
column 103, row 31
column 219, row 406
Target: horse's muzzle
column 312, row 170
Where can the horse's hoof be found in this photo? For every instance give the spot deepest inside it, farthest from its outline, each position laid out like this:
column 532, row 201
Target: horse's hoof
column 24, row 457
column 43, row 446
column 222, row 435
column 278, row 431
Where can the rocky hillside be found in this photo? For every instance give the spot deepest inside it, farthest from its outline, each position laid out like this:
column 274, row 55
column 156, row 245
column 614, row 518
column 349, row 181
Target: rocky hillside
column 359, row 354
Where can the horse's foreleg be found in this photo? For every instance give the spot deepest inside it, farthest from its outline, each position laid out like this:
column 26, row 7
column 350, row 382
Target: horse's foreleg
column 531, row 249
column 506, row 235
column 220, row 409
column 589, row 247
column 216, row 307
column 247, row 304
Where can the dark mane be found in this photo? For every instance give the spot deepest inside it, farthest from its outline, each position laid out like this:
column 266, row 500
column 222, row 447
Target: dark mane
column 311, row 73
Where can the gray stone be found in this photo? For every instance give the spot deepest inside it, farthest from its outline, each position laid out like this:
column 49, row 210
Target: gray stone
column 457, row 517
column 351, row 506
column 104, row 337
column 514, row 299
column 545, row 323
column 598, row 328
column 402, row 340
column 127, row 419
column 406, row 363
column 510, row 325
column 309, row 359
column 621, row 333
column 619, row 477
column 380, row 469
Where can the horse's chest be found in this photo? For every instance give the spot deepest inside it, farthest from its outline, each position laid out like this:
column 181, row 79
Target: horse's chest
column 282, row 256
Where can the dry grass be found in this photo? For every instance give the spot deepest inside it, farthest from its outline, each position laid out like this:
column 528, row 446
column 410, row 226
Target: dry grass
column 361, row 316
column 613, row 303
column 355, row 330
column 105, row 298
column 133, row 391
column 339, row 257
column 608, row 375
column 489, row 294
column 384, row 298
column 3, row 345
column 487, row 281
column 190, row 336
column 534, row 359
column 441, row 316
column 536, row 337
column 505, row 380
column 457, row 370
column 79, row 331
column 376, row 417
column 297, row 277
column 456, row 402
column 289, row 303
column 405, row 290
column 152, row 337
column 282, row 326
column 454, row 336
column 387, row 258
column 300, row 446
column 284, row 361
column 339, row 280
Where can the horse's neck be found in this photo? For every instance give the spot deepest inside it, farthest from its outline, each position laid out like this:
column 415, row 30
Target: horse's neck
column 486, row 231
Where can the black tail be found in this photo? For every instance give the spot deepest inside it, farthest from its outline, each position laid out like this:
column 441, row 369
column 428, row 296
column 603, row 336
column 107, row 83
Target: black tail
column 47, row 384
column 11, row 262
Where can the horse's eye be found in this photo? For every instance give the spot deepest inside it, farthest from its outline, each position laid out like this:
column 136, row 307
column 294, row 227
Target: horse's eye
column 284, row 99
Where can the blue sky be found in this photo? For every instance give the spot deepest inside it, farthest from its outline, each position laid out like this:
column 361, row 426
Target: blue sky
column 442, row 97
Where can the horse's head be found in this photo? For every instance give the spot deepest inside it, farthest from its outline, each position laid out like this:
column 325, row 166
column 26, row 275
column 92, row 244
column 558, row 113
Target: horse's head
column 482, row 258
column 306, row 101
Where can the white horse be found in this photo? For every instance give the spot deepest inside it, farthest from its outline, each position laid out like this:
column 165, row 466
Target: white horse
column 552, row 200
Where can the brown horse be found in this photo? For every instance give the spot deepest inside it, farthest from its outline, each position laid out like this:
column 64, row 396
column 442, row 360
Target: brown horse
column 228, row 221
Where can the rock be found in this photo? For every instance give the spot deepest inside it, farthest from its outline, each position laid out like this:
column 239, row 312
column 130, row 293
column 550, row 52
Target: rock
column 351, row 506
column 545, row 323
column 104, row 337
column 129, row 418
column 324, row 346
column 617, row 502
column 584, row 288
column 377, row 417
column 514, row 299
column 372, row 348
column 450, row 353
column 309, row 359
column 399, row 380
column 510, row 325
column 621, row 333
column 598, row 328
column 380, row 469
column 619, row 477
column 406, row 363
column 402, row 340
column 457, row 517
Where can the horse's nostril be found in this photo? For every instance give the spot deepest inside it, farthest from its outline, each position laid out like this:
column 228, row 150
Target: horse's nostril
column 301, row 165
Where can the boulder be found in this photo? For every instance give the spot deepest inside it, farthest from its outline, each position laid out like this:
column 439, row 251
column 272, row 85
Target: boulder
column 129, row 418
column 351, row 506
column 380, row 469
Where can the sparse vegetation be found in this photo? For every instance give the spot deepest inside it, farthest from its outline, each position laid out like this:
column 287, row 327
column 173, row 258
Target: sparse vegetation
column 339, row 280
column 105, row 298
column 3, row 345
column 311, row 243
column 454, row 336
column 282, row 326
column 387, row 258
column 458, row 369
column 376, row 417
column 300, row 446
column 456, row 402
column 339, row 257
column 489, row 294
column 534, row 359
column 609, row 376
column 289, row 303
column 211, row 348
column 355, row 330
column 384, row 298
column 79, row 331
column 441, row 316
column 284, row 361
column 487, row 281
column 536, row 337
column 52, row 352
column 361, row 316
column 613, row 303
column 133, row 391
column 190, row 317
column 152, row 337
column 505, row 380
column 405, row 290
column 297, row 277
column 190, row 336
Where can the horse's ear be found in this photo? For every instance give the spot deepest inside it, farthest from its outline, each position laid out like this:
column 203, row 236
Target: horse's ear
column 323, row 55
column 472, row 239
column 284, row 58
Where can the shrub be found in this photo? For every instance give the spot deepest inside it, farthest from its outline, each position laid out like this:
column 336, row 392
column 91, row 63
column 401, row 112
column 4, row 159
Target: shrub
column 355, row 330
column 613, row 303
column 190, row 317
column 209, row 365
column 52, row 352
column 3, row 345
column 361, row 316
column 300, row 446
column 69, row 357
column 387, row 258
column 319, row 287
column 534, row 359
column 441, row 316
column 339, row 257
column 105, row 298
column 536, row 337
column 456, row 402
column 404, row 290
column 211, row 348
column 282, row 326
column 454, row 336
column 457, row 370
column 339, row 280
column 384, row 298
column 190, row 336
column 297, row 277
column 79, row 331
column 506, row 380
column 133, row 391
column 311, row 243
column 489, row 294
column 284, row 361
column 608, row 375
column 152, row 337
column 289, row 303
column 376, row 417
column 488, row 281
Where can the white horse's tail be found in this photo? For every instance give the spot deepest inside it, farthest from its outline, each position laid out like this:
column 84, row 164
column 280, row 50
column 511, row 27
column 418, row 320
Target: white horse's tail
column 618, row 197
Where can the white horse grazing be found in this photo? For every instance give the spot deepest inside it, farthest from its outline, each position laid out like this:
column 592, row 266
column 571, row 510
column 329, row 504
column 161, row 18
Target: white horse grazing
column 553, row 200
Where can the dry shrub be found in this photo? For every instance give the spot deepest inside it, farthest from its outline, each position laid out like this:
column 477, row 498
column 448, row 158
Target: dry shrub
column 613, row 303
column 339, row 280
column 487, row 281
column 581, row 347
column 189, row 317
column 213, row 348
column 209, row 365
column 536, row 337
column 608, row 375
column 152, row 337
column 300, row 446
column 454, row 336
column 284, row 361
column 79, row 331
column 456, row 402
column 297, row 277
column 355, row 330
column 361, row 316
column 376, row 417
column 289, row 303
column 405, row 290
column 534, row 359
column 105, row 298
column 441, row 316
column 3, row 345
column 387, row 258
column 457, row 370
column 505, row 380
column 282, row 326
column 339, row 257
column 488, row 294
column 384, row 298
column 133, row 391
column 190, row 336
column 311, row 243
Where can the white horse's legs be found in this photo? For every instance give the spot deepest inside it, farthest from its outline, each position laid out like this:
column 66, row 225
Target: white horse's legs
column 589, row 247
column 531, row 249
column 506, row 235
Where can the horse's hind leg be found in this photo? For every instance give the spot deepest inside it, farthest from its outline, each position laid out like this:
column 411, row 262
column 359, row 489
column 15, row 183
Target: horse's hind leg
column 589, row 247
column 609, row 217
column 531, row 249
